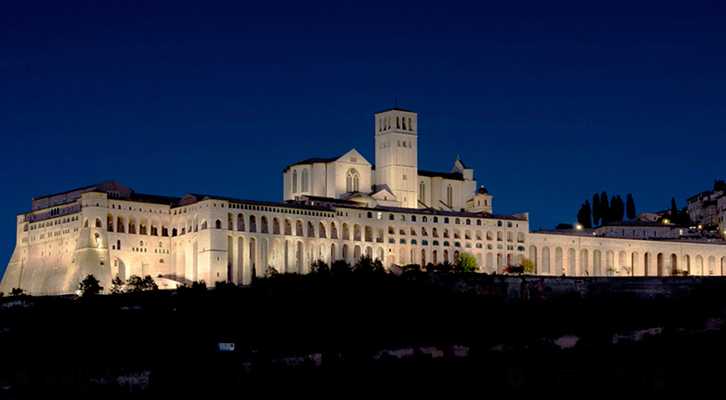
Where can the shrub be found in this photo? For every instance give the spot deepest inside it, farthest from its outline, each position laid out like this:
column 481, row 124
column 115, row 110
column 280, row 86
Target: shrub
column 90, row 286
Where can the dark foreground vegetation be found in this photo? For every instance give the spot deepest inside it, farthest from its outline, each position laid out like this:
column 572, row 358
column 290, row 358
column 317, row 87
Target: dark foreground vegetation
column 345, row 333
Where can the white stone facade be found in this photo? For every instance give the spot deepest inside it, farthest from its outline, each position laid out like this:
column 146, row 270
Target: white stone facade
column 337, row 208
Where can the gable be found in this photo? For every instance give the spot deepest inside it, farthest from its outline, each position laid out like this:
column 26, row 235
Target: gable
column 353, row 157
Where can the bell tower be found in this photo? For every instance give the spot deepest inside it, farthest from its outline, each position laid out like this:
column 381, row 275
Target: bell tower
column 397, row 154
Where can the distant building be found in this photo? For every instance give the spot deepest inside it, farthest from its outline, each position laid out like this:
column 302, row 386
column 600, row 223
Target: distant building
column 703, row 208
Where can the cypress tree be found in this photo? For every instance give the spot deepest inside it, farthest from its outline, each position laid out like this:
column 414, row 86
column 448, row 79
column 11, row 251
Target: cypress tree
column 674, row 210
column 583, row 215
column 595, row 209
column 630, row 207
column 604, row 208
column 618, row 209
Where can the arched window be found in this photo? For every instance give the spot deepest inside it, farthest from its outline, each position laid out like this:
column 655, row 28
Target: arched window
column 449, row 196
column 294, row 181
column 99, row 224
column 352, row 181
column 217, row 224
column 304, row 184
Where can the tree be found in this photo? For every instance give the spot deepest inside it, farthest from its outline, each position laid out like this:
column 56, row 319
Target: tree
column 630, row 207
column 596, row 214
column 583, row 216
column 617, row 209
column 604, row 209
column 320, row 267
column 90, row 286
column 339, row 267
column 137, row 284
column 674, row 210
column 565, row 226
column 466, row 262
column 719, row 186
column 366, row 265
column 527, row 266
column 117, row 285
column 149, row 284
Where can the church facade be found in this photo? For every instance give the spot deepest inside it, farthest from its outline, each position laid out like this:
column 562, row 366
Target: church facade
column 333, row 208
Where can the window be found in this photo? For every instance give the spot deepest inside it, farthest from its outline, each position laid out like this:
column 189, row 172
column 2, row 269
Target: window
column 304, row 184
column 449, row 196
column 294, row 181
column 352, row 181
column 422, row 192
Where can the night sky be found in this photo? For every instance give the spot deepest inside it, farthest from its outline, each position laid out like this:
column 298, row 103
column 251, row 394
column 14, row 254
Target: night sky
column 549, row 103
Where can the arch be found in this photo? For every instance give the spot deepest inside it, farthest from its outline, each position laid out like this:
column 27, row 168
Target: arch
column 711, row 265
column 263, row 228
column 559, row 261
column 344, row 255
column 120, row 225
column 241, row 222
column 99, row 223
column 275, row 226
column 635, row 268
column 356, row 253
column 368, row 233
column 230, row 222
column 109, row 223
column 333, row 231
column 321, row 230
column 659, row 264
column 687, row 264
column 610, row 269
column 311, row 229
column 489, row 262
column 647, row 259
column 597, row 263
column 723, row 266
column 698, row 270
column 584, row 262
column 132, row 226
column 532, row 254
column 546, row 260
column 446, row 256
column 217, row 224
column 352, row 180
column 204, row 224
column 423, row 257
column 435, row 256
column 623, row 263
column 288, row 227
column 674, row 264
column 333, row 256
column 299, row 228
column 253, row 224
column 346, row 232
column 299, row 254
column 356, row 232
column 571, row 260
column 174, row 232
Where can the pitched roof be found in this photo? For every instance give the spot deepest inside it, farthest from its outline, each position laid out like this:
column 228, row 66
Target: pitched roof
column 313, row 160
column 446, row 175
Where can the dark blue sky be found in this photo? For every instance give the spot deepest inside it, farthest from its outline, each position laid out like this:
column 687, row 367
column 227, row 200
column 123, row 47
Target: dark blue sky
column 548, row 102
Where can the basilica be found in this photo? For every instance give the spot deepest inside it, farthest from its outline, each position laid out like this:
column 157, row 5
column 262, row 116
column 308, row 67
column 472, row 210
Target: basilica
column 335, row 208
